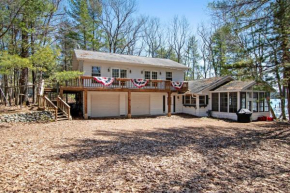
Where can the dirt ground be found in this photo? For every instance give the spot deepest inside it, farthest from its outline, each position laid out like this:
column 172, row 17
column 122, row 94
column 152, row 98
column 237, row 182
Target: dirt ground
column 176, row 154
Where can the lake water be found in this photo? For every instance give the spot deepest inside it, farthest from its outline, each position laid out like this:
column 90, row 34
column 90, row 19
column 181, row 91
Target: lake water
column 276, row 105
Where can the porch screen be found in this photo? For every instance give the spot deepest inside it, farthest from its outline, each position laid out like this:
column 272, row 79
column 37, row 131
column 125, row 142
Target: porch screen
column 243, row 100
column 266, row 107
column 215, row 102
column 233, row 102
column 224, row 102
column 261, row 101
column 255, row 102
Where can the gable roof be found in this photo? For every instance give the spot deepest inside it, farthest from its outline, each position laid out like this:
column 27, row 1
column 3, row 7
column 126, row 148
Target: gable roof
column 197, row 86
column 235, row 85
column 128, row 59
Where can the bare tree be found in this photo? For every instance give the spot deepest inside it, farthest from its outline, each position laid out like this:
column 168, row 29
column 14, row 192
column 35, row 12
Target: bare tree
column 152, row 36
column 178, row 33
column 120, row 25
column 206, row 51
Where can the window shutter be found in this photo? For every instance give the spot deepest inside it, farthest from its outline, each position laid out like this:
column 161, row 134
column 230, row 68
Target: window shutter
column 206, row 100
column 183, row 99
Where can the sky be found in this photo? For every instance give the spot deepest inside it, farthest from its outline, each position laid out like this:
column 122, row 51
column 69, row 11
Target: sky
column 194, row 10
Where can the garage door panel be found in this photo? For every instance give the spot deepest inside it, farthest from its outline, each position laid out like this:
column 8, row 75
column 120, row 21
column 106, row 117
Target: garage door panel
column 105, row 105
column 140, row 104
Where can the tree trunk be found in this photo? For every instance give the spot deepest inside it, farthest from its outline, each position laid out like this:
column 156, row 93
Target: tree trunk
column 24, row 71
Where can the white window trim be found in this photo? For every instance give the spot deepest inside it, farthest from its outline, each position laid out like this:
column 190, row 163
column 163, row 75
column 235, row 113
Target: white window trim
column 151, row 74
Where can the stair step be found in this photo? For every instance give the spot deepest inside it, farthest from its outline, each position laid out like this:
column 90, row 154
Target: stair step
column 61, row 116
column 62, row 119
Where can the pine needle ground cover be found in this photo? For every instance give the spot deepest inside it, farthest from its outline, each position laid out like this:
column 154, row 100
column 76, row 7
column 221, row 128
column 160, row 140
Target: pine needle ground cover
column 176, row 154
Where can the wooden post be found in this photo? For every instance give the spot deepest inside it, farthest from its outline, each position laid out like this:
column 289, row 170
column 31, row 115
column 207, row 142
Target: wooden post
column 129, row 105
column 55, row 114
column 85, row 104
column 61, row 93
column 169, row 104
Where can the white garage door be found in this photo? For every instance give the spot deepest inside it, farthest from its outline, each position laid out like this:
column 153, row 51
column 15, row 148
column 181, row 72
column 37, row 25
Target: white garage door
column 140, row 104
column 105, row 105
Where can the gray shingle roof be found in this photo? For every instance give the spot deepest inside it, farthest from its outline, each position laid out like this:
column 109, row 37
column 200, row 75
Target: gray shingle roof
column 196, row 86
column 129, row 59
column 235, row 85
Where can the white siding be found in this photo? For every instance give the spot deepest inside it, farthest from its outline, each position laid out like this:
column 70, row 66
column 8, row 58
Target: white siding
column 156, row 103
column 177, row 75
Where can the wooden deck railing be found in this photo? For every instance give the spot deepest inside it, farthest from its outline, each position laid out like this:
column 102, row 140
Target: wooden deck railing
column 64, row 107
column 45, row 103
column 120, row 83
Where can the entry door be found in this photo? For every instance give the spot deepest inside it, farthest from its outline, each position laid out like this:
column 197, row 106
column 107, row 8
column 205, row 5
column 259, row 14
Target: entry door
column 173, row 104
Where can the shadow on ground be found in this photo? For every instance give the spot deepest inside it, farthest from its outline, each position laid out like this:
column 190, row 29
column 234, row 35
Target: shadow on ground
column 217, row 145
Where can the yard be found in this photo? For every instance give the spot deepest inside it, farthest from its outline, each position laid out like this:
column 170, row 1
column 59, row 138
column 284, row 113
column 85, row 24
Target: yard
column 180, row 153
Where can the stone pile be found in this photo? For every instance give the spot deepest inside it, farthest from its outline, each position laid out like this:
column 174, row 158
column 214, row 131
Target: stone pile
column 37, row 116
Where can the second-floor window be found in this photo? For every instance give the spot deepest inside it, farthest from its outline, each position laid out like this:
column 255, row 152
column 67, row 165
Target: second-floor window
column 154, row 75
column 147, row 75
column 96, row 71
column 169, row 76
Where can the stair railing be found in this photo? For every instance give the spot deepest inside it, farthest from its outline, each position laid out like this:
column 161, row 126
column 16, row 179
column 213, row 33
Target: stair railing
column 45, row 102
column 63, row 106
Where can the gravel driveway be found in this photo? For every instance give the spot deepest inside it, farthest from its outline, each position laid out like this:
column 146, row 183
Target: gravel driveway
column 176, row 154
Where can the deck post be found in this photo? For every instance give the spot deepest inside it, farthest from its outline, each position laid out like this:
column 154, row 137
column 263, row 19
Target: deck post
column 85, row 104
column 61, row 93
column 129, row 105
column 169, row 104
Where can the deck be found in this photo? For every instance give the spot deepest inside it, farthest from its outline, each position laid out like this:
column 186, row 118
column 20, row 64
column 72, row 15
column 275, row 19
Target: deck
column 87, row 83
column 119, row 85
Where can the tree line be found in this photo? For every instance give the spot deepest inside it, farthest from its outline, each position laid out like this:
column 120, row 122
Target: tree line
column 245, row 39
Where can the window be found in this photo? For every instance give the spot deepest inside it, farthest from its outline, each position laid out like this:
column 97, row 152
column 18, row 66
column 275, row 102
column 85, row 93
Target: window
column 202, row 101
column 147, row 75
column 115, row 73
column 123, row 73
column 193, row 100
column 233, row 102
column 243, row 100
column 255, row 102
column 224, row 102
column 215, row 102
column 266, row 107
column 261, row 101
column 189, row 100
column 169, row 76
column 154, row 75
column 250, row 105
column 96, row 71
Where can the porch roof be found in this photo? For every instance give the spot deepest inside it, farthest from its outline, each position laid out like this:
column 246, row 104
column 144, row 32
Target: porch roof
column 235, row 85
column 197, row 86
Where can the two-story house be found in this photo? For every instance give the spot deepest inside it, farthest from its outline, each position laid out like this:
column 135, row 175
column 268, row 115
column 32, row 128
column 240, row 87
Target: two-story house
column 125, row 95
column 115, row 85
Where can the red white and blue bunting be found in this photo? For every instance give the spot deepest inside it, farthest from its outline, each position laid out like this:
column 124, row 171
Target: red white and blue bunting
column 106, row 81
column 139, row 82
column 177, row 85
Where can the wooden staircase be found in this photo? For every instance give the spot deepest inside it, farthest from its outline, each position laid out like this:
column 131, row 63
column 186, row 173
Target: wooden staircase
column 61, row 110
